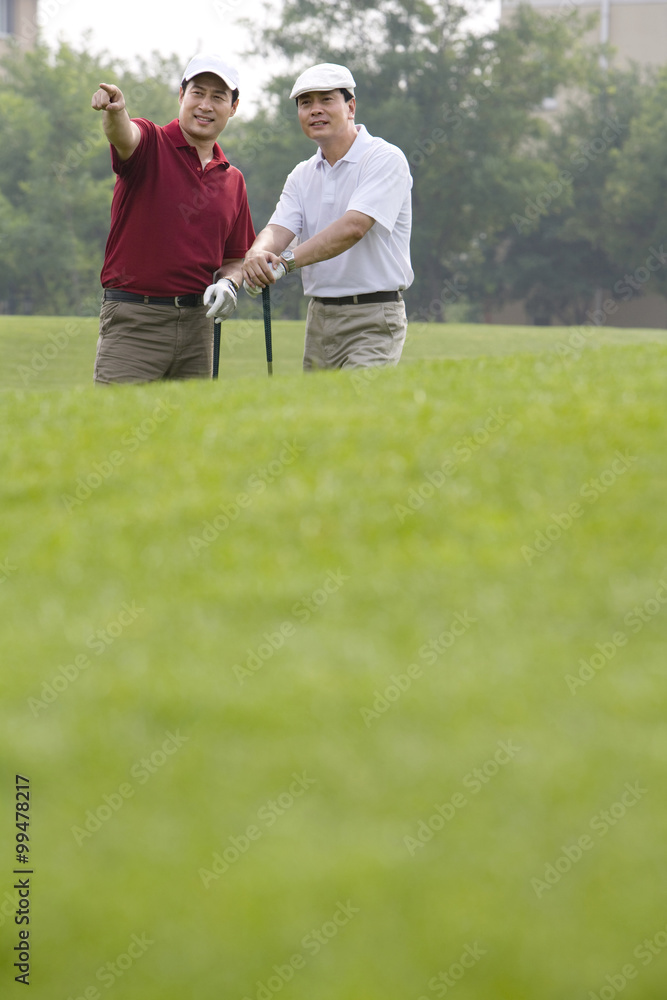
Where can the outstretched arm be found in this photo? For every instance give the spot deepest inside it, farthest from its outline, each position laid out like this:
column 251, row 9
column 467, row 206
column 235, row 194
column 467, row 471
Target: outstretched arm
column 119, row 129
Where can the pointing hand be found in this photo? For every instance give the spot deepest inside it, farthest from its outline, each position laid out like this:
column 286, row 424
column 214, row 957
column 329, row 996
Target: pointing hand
column 108, row 98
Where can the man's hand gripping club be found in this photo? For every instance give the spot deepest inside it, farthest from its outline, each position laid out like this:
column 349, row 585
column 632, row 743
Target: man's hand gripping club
column 253, row 291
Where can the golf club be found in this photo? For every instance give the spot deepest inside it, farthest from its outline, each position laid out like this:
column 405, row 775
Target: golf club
column 266, row 306
column 280, row 270
column 216, row 348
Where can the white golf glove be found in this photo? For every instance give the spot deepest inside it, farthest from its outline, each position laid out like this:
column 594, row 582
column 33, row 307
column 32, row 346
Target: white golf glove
column 222, row 299
column 278, row 269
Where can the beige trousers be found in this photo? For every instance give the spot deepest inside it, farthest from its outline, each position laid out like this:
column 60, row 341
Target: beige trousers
column 352, row 336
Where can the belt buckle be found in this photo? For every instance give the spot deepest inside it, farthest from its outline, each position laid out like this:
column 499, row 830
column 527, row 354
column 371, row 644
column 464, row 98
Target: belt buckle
column 176, row 302
column 355, row 299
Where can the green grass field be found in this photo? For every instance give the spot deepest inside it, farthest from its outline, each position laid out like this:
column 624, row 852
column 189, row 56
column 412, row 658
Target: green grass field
column 41, row 352
column 339, row 687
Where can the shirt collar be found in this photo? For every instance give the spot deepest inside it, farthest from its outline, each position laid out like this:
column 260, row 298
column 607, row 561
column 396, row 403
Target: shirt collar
column 173, row 131
column 356, row 150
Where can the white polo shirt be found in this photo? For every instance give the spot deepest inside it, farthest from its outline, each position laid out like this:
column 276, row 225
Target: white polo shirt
column 374, row 178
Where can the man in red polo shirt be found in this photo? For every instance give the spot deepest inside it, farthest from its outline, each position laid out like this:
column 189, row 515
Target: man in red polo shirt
column 180, row 228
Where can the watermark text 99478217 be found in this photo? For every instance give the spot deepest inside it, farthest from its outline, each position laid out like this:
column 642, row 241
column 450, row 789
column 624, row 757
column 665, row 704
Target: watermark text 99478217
column 23, row 873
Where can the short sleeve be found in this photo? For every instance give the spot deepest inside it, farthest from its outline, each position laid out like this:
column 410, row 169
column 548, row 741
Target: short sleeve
column 384, row 183
column 135, row 162
column 289, row 212
column 242, row 234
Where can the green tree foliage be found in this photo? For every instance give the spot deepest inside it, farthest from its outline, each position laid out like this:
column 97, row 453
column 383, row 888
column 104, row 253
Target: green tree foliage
column 55, row 173
column 635, row 223
column 555, row 278
column 557, row 253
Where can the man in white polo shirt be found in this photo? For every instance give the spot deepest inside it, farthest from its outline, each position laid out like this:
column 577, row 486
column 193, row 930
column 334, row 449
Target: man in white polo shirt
column 349, row 208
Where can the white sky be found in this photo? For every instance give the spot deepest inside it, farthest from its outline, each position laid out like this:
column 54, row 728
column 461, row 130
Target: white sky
column 127, row 28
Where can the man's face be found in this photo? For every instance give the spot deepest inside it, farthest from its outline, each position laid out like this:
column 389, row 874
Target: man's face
column 206, row 107
column 324, row 114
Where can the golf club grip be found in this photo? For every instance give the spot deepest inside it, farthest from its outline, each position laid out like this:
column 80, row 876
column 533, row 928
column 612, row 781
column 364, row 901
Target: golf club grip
column 216, row 347
column 252, row 292
column 266, row 306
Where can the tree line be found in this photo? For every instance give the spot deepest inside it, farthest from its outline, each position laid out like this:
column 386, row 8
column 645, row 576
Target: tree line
column 509, row 201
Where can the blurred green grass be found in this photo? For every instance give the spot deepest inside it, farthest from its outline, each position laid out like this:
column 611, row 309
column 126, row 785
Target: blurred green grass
column 46, row 352
column 222, row 529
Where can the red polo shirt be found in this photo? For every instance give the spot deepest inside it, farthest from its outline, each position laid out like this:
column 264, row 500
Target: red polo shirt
column 172, row 222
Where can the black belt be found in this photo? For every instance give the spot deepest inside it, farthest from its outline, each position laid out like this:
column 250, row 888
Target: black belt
column 180, row 301
column 360, row 300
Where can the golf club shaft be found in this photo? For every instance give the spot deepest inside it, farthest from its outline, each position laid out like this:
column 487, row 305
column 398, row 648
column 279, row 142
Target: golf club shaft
column 266, row 306
column 216, row 348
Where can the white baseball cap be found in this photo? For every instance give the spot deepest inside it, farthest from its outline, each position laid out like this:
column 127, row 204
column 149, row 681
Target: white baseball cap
column 324, row 76
column 206, row 63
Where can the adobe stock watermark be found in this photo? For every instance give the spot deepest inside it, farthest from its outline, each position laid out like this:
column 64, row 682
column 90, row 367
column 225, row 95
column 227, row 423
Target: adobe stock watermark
column 207, row 194
column 453, row 117
column 443, row 982
column 302, row 612
column 459, row 454
column 141, row 772
column 77, row 154
column 40, row 360
column 29, row 28
column 450, row 292
column 599, row 825
column 223, row 8
column 540, row 204
column 605, row 651
column 109, row 973
column 237, row 331
column 213, row 185
column 473, row 782
column 587, row 151
column 240, row 330
column 98, row 642
column 257, row 484
column 7, row 570
column 591, row 491
column 9, row 908
column 87, row 484
column 629, row 284
column 361, row 378
column 430, row 652
column 275, row 126
column 565, row 9
column 570, row 350
column 267, row 816
column 646, row 953
column 312, row 944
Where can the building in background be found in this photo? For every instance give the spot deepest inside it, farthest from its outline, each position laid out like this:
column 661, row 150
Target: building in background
column 18, row 20
column 637, row 30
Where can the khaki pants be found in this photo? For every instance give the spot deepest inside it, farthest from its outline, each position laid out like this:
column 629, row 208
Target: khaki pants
column 352, row 336
column 144, row 343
